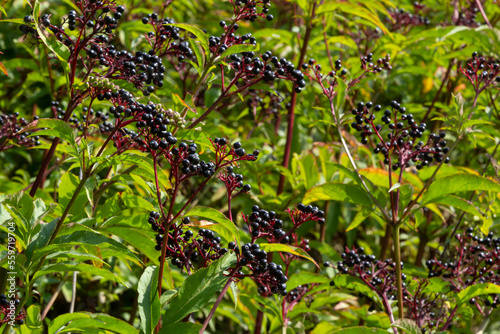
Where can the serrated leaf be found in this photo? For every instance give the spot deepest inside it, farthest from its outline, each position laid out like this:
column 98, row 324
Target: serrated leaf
column 356, row 284
column 84, row 322
column 359, row 218
column 149, row 301
column 407, row 325
column 477, row 290
column 335, row 191
column 181, row 328
column 71, row 266
column 239, row 48
column 360, row 330
column 218, row 217
column 287, row 249
column 305, row 277
column 197, row 289
column 458, row 183
column 202, row 37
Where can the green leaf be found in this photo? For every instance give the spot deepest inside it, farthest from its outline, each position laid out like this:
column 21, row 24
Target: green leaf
column 459, row 203
column 58, row 48
column 83, row 322
column 41, row 239
column 305, row 277
column 197, row 289
column 458, row 183
column 3, row 11
column 13, row 20
column 201, row 36
column 355, row 10
column 74, row 266
column 33, row 323
column 287, row 249
column 360, row 330
column 216, row 216
column 335, row 191
column 340, row 99
column 181, row 328
column 356, row 284
column 477, row 290
column 56, row 128
column 67, row 188
column 394, row 187
column 359, row 218
column 239, row 48
column 407, row 325
column 149, row 301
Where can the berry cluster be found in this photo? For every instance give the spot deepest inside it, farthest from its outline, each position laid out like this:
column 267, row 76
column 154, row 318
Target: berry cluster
column 10, row 125
column 219, row 45
column 403, row 131
column 184, row 248
column 250, row 10
column 467, row 15
column 380, row 276
column 163, row 37
column 233, row 181
column 268, row 68
column 329, row 82
column 477, row 260
column 263, row 107
column 481, row 72
column 269, row 276
column 7, row 309
column 404, row 19
column 265, row 224
column 296, row 294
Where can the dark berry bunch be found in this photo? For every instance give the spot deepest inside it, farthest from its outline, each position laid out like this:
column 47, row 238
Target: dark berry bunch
column 477, row 260
column 184, row 248
column 397, row 136
column 265, row 224
column 296, row 294
column 467, row 15
column 329, row 81
column 481, row 72
column 263, row 107
column 164, row 36
column 250, row 10
column 233, row 181
column 10, row 125
column 269, row 276
column 28, row 27
column 402, row 19
column 219, row 44
column 380, row 276
column 7, row 309
column 268, row 68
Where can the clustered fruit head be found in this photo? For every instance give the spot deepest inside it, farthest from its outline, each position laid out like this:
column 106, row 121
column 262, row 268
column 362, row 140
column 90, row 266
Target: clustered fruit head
column 269, row 276
column 250, row 10
column 402, row 19
column 265, row 224
column 267, row 67
column 184, row 248
column 481, row 72
column 380, row 276
column 330, row 81
column 263, row 107
column 5, row 309
column 398, row 136
column 10, row 125
column 477, row 260
column 467, row 15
